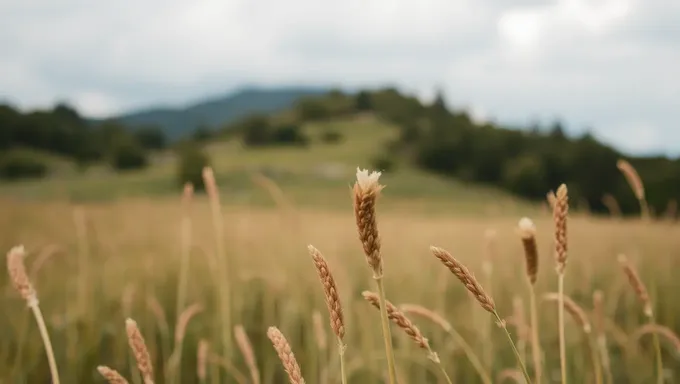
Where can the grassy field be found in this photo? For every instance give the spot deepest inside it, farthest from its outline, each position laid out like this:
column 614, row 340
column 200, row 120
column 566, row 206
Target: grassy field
column 103, row 248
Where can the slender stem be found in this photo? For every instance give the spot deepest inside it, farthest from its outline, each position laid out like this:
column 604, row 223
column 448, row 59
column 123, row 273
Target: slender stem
column 597, row 369
column 435, row 359
column 387, row 335
column 46, row 341
column 469, row 352
column 514, row 348
column 535, row 341
column 604, row 358
column 341, row 352
column 560, row 313
column 657, row 349
column 224, row 271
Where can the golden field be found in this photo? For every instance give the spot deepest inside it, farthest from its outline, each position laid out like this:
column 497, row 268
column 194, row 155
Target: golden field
column 94, row 265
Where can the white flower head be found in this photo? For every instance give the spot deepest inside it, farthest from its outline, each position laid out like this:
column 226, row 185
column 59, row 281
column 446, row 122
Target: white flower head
column 527, row 227
column 368, row 181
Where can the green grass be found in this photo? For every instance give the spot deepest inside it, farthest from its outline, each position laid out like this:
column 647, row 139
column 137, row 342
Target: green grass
column 317, row 175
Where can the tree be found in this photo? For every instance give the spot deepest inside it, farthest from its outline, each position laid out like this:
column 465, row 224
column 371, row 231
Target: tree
column 127, row 154
column 363, row 102
column 18, row 164
column 151, row 137
column 192, row 159
column 256, row 131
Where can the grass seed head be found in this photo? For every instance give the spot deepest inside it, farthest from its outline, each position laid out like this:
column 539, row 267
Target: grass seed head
column 560, row 213
column 330, row 292
column 399, row 319
column 636, row 283
column 632, row 177
column 17, row 273
column 139, row 350
column 286, row 355
column 527, row 231
column 111, row 375
column 466, row 277
column 365, row 193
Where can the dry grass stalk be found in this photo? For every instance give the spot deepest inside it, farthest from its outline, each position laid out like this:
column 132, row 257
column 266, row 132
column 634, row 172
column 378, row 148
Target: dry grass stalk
column 636, row 283
column 44, row 256
column 560, row 213
column 671, row 209
column 600, row 333
column 330, row 292
column 612, row 205
column 158, row 312
column 319, row 331
column 285, row 355
column 519, row 320
column 246, row 349
column 183, row 321
column 202, row 360
column 365, row 193
column 527, row 231
column 273, row 190
column 111, row 375
column 632, row 177
column 139, row 350
column 465, row 277
column 651, row 329
column 17, row 274
column 399, row 319
column 574, row 310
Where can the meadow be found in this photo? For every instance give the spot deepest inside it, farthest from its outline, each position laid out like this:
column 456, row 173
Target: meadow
column 205, row 278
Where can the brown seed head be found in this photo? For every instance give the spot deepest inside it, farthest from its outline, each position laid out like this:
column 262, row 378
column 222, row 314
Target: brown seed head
column 519, row 319
column 365, row 193
column 560, row 212
column 319, row 331
column 465, row 277
column 285, row 355
column 577, row 313
column 550, row 198
column 636, row 283
column 139, row 350
column 399, row 319
column 330, row 292
column 246, row 348
column 17, row 273
column 527, row 231
column 612, row 205
column 632, row 177
column 661, row 330
column 210, row 184
column 187, row 196
column 111, row 375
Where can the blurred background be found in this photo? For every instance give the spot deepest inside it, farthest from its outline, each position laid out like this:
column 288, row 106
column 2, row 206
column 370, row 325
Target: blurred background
column 472, row 110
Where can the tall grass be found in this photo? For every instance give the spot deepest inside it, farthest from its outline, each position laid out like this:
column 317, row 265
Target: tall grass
column 134, row 252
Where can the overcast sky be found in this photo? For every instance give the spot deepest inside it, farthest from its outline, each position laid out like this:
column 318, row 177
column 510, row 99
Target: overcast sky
column 612, row 65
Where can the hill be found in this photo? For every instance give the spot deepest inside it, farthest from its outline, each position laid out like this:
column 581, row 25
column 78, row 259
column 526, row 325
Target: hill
column 218, row 111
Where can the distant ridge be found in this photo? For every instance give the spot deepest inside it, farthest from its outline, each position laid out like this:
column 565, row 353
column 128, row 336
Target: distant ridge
column 220, row 110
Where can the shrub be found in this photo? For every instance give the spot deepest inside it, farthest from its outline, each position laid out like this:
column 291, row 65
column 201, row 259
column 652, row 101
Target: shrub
column 20, row 164
column 331, row 136
column 191, row 161
column 128, row 154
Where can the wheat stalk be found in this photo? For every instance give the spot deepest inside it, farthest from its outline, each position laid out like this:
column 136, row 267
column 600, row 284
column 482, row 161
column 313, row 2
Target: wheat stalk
column 600, row 333
column 560, row 213
column 202, row 360
column 17, row 274
column 286, row 355
column 111, row 375
column 641, row 291
column 635, row 182
column 656, row 329
column 527, row 232
column 333, row 303
column 470, row 282
column 139, row 350
column 364, row 196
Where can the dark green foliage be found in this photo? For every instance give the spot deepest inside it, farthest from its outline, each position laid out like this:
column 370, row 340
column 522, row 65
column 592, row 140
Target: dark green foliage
column 384, row 163
column 363, row 102
column 127, row 154
column 331, row 136
column 18, row 164
column 191, row 161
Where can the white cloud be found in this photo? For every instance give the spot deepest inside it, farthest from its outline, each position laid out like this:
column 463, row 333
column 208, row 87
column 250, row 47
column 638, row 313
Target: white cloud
column 609, row 64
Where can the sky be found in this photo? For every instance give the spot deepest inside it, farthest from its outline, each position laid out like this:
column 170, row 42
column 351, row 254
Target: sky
column 610, row 66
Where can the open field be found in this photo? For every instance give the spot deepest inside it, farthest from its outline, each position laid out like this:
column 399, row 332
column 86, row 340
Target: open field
column 94, row 265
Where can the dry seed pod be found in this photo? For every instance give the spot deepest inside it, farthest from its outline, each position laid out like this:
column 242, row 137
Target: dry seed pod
column 399, row 319
column 560, row 212
column 527, row 231
column 365, row 193
column 330, row 292
column 286, row 355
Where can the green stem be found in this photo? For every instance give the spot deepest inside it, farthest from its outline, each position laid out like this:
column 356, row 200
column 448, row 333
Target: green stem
column 535, row 341
column 514, row 348
column 341, row 353
column 597, row 369
column 46, row 341
column 604, row 358
column 387, row 335
column 560, row 313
